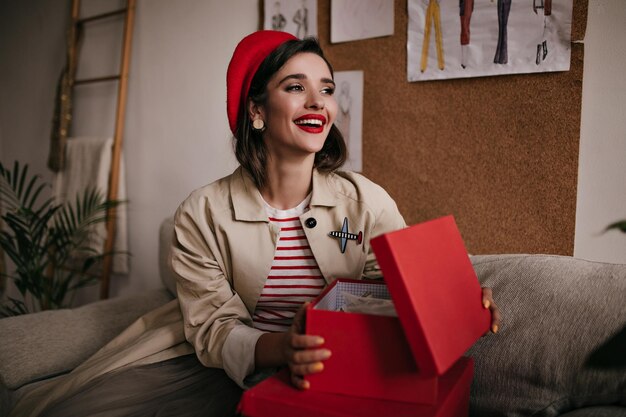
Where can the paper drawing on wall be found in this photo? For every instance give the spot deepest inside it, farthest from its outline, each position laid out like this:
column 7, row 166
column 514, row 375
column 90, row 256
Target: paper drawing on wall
column 278, row 19
column 349, row 120
column 352, row 20
column 433, row 17
column 476, row 38
column 502, row 56
column 298, row 17
column 344, row 102
column 301, row 19
column 542, row 47
column 466, row 7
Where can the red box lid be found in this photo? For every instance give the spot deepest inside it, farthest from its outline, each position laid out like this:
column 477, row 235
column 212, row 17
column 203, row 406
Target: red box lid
column 435, row 291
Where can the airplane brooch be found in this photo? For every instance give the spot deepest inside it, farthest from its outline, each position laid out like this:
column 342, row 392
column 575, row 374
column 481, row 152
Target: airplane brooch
column 344, row 235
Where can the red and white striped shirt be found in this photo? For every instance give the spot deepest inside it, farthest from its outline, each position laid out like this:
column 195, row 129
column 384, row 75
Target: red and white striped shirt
column 295, row 276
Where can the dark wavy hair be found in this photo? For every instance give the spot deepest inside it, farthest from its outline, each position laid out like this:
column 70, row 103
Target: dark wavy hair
column 250, row 148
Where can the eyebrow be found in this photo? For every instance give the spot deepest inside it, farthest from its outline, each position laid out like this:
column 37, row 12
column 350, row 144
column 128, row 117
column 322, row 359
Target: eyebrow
column 303, row 77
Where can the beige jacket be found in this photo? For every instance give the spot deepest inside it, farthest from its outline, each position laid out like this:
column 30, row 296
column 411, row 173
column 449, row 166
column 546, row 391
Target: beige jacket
column 222, row 254
column 224, row 247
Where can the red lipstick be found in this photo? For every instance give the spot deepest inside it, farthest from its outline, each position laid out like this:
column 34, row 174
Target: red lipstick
column 311, row 123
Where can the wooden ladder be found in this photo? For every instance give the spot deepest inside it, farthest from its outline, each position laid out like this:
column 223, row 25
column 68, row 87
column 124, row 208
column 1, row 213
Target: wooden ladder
column 116, row 151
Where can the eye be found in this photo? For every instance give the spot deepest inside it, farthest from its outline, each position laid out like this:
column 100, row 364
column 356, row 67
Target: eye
column 295, row 87
column 328, row 91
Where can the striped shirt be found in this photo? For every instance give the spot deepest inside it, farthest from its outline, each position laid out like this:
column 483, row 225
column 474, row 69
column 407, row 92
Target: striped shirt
column 294, row 277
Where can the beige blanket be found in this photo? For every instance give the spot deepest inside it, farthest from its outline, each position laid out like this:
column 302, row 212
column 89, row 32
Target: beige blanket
column 88, row 165
column 155, row 337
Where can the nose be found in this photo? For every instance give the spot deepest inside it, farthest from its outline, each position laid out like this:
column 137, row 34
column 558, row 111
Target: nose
column 315, row 100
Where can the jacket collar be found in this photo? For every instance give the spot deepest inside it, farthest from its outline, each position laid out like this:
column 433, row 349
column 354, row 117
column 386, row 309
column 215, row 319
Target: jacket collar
column 324, row 193
column 248, row 203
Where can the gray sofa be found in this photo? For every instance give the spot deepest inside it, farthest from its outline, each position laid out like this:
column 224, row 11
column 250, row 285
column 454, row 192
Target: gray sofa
column 560, row 315
column 557, row 311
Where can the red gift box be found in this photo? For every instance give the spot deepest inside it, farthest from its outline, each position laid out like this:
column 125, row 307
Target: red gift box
column 438, row 298
column 407, row 359
column 276, row 397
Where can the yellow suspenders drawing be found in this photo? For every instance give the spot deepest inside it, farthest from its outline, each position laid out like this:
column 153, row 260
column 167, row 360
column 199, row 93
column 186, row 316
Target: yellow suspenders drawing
column 432, row 14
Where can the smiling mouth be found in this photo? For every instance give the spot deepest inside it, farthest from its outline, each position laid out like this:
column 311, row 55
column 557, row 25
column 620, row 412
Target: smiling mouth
column 312, row 123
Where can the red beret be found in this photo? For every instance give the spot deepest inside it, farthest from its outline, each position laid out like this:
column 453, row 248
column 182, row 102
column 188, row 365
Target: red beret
column 247, row 58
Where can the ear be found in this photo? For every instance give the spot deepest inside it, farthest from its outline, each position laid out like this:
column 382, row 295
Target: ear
column 255, row 111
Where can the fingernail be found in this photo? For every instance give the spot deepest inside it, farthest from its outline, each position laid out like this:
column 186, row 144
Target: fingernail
column 306, row 384
column 319, row 341
column 326, row 353
column 318, row 367
column 486, row 303
column 494, row 328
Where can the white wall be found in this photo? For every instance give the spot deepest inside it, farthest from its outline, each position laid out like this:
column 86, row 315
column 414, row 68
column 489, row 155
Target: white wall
column 176, row 136
column 602, row 172
column 32, row 53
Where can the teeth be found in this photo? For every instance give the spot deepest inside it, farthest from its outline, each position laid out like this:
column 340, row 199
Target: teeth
column 309, row 122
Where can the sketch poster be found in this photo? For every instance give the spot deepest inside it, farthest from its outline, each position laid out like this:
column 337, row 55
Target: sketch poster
column 298, row 17
column 349, row 96
column 475, row 38
column 351, row 20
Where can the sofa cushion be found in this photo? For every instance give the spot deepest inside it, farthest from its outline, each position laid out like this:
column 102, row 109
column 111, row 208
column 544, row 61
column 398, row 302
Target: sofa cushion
column 556, row 311
column 35, row 346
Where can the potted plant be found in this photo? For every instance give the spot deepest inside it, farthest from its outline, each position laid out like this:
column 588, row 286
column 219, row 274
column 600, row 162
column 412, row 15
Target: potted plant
column 50, row 245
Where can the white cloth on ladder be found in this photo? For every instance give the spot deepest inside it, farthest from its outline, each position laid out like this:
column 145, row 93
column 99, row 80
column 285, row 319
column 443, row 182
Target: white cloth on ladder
column 88, row 161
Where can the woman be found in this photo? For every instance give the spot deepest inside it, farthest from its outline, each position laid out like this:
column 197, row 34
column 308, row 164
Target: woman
column 288, row 149
column 249, row 250
column 232, row 255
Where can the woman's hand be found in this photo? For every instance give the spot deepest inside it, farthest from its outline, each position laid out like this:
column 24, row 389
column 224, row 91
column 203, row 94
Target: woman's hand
column 303, row 353
column 491, row 305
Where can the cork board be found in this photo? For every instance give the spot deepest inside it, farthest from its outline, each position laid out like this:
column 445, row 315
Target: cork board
column 499, row 153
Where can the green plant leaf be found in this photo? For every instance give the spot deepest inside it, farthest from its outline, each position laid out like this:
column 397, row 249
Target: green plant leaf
column 610, row 354
column 15, row 308
column 22, row 178
column 49, row 244
column 8, row 196
column 13, row 193
column 621, row 226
